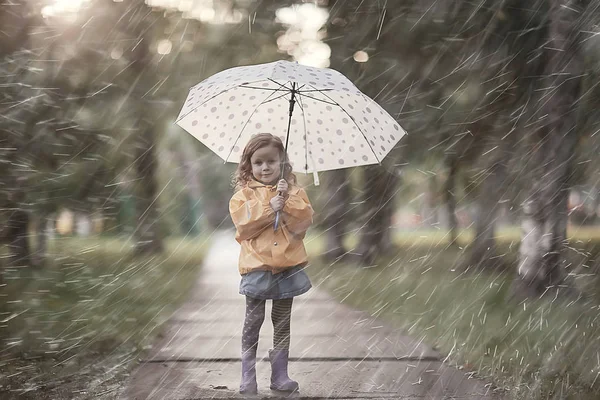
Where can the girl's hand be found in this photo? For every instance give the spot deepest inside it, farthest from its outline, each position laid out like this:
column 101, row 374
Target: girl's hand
column 282, row 187
column 277, row 203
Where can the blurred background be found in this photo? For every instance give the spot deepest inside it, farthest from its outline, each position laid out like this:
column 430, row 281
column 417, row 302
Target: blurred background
column 491, row 202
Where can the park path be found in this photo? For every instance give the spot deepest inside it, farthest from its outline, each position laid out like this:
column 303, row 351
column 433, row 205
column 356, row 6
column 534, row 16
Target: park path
column 337, row 352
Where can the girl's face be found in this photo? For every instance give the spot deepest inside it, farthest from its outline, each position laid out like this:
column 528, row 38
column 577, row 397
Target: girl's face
column 266, row 165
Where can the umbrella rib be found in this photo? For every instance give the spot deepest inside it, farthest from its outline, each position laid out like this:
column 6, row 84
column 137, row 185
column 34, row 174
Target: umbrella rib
column 204, row 102
column 277, row 98
column 355, row 124
column 246, row 87
column 261, row 88
column 315, row 90
column 283, row 85
column 227, row 90
column 280, row 84
column 244, row 127
column 314, row 98
column 300, row 105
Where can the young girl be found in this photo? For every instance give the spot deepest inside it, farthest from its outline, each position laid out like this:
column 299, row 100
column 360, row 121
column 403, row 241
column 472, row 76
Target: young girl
column 271, row 261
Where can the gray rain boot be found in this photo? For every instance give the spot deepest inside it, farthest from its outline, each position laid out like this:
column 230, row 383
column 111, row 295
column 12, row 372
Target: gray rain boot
column 248, row 384
column 279, row 374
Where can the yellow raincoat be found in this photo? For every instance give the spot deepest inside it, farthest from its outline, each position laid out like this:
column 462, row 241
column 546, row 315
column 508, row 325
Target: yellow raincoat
column 264, row 249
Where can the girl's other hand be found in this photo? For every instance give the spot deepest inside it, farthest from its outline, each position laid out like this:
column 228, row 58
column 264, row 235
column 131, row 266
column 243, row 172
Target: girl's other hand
column 282, row 187
column 277, row 203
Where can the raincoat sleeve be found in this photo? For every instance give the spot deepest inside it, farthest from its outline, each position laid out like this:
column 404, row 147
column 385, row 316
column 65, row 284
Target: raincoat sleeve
column 298, row 213
column 250, row 215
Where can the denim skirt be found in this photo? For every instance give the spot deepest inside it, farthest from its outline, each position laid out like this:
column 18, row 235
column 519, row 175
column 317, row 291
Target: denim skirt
column 265, row 285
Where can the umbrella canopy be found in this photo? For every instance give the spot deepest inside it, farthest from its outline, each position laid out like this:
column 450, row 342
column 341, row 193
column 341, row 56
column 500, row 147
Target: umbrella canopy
column 325, row 122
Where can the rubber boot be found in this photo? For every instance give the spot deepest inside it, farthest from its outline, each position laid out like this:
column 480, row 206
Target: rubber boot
column 248, row 384
column 279, row 372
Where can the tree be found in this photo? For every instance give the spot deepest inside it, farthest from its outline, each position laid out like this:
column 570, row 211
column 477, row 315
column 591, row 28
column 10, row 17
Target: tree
column 408, row 58
column 544, row 224
column 336, row 212
column 352, row 27
column 17, row 125
column 506, row 46
column 135, row 20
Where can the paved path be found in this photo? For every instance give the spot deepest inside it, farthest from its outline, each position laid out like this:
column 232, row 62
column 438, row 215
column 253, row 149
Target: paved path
column 336, row 352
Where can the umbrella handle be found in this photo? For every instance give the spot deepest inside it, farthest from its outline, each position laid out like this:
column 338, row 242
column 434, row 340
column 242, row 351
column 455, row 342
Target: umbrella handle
column 276, row 225
column 276, row 221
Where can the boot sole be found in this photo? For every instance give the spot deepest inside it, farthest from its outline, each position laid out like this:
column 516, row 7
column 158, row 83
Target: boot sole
column 285, row 390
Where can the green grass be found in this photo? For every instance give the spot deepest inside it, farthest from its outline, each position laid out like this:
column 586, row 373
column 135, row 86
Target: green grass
column 93, row 305
column 535, row 350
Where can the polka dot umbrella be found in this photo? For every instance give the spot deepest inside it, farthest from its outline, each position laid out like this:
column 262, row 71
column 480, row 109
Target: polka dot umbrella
column 325, row 122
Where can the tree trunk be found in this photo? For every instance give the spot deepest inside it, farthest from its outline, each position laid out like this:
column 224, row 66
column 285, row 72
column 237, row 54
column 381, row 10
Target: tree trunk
column 194, row 196
column 41, row 251
column 429, row 206
column 494, row 189
column 483, row 247
column 451, row 162
column 18, row 238
column 541, row 267
column 387, row 241
column 147, row 233
column 596, row 212
column 337, row 192
column 380, row 189
column 190, row 174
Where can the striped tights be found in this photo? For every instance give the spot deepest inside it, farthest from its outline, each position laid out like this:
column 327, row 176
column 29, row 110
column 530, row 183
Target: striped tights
column 255, row 315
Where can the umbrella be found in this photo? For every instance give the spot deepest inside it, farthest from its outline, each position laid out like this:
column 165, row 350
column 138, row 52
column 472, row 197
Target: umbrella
column 325, row 122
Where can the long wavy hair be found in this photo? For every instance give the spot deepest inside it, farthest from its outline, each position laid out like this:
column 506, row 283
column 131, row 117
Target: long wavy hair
column 243, row 174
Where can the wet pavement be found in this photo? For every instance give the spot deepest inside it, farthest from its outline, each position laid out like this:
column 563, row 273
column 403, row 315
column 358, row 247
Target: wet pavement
column 337, row 352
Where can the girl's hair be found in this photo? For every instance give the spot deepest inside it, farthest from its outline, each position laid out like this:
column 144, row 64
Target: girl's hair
column 243, row 174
